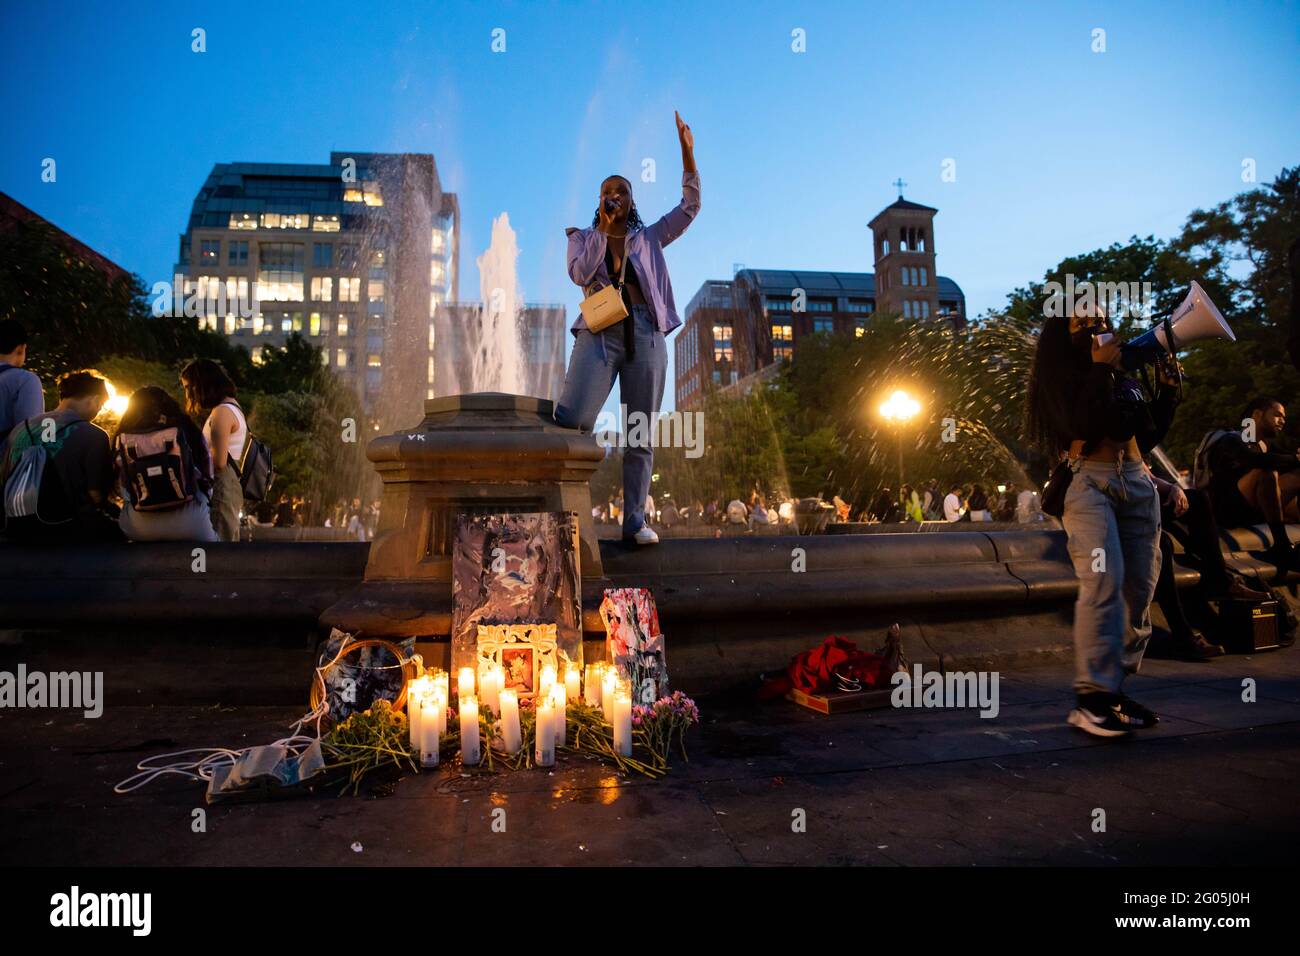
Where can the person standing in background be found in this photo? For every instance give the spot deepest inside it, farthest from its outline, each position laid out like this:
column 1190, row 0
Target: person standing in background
column 21, row 397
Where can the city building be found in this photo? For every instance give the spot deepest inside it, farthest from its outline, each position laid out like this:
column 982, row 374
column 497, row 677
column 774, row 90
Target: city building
column 357, row 255
column 738, row 330
column 534, row 346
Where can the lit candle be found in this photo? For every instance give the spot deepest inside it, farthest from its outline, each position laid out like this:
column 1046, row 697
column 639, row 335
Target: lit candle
column 592, row 689
column 559, row 702
column 510, row 733
column 439, row 698
column 608, row 687
column 572, row 684
column 466, row 686
column 623, row 723
column 547, row 680
column 544, row 751
column 442, row 682
column 415, row 692
column 469, row 748
column 429, row 736
column 491, row 681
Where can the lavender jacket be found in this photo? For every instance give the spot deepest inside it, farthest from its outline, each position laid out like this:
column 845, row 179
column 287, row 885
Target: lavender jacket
column 646, row 247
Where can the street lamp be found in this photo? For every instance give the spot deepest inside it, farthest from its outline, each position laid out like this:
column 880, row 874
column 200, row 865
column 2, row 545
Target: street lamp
column 899, row 409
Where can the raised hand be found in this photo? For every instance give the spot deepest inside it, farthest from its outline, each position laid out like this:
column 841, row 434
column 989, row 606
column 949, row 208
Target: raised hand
column 684, row 134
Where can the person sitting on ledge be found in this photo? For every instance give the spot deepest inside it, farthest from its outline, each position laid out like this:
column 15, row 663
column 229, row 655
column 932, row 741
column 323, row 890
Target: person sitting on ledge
column 1249, row 484
column 632, row 350
column 74, row 502
column 151, row 409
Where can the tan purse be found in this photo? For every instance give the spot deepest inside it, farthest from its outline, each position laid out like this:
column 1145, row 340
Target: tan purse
column 604, row 308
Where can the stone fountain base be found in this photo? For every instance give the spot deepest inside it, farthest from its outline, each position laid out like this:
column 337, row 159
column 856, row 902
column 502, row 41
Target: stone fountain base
column 481, row 453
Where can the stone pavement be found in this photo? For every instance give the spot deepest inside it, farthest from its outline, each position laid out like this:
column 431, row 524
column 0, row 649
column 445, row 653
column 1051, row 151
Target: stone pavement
column 1214, row 784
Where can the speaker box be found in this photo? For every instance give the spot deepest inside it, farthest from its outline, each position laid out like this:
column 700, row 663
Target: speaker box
column 1249, row 626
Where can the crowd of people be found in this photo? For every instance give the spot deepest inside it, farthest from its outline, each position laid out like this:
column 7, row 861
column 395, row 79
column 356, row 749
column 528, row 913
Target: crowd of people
column 158, row 475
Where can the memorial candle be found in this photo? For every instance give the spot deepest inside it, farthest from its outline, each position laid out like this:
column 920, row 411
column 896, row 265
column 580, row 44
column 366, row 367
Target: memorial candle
column 469, row 747
column 414, row 693
column 592, row 688
column 442, row 682
column 572, row 684
column 623, row 723
column 491, row 681
column 439, row 697
column 544, row 748
column 510, row 733
column 547, row 680
column 559, row 702
column 429, row 736
column 608, row 687
column 465, row 687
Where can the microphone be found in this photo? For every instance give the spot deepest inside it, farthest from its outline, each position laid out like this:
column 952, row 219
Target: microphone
column 610, row 205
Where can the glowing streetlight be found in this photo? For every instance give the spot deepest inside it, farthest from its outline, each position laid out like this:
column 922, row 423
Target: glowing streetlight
column 116, row 404
column 899, row 409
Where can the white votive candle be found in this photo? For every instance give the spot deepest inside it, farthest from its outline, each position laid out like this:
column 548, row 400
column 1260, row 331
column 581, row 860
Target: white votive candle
column 439, row 698
column 592, row 689
column 559, row 702
column 608, row 687
column 491, row 681
column 572, row 684
column 469, row 746
column 547, row 680
column 510, row 734
column 544, row 748
column 623, row 723
column 465, row 686
column 429, row 736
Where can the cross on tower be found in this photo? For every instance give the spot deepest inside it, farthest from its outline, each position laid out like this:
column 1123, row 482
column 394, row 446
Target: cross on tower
column 900, row 184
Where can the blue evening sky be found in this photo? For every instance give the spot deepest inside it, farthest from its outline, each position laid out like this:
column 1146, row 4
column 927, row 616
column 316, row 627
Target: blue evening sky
column 1057, row 149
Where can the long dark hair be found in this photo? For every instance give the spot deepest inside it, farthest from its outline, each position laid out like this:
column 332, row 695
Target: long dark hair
column 633, row 217
column 150, row 408
column 206, row 386
column 1054, row 380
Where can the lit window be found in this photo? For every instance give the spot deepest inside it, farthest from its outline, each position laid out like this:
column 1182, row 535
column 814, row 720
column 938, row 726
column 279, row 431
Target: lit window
column 373, row 197
column 243, row 220
column 258, row 323
column 280, row 272
column 352, row 195
column 325, row 223
column 285, row 220
column 210, row 250
column 342, row 325
column 286, row 324
column 373, row 360
column 349, row 289
column 313, row 325
column 341, row 358
column 230, row 324
column 257, row 355
column 322, row 288
column 375, row 291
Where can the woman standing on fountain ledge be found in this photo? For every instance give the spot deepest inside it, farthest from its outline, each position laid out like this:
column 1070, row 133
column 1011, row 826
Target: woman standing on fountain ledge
column 1082, row 404
column 633, row 350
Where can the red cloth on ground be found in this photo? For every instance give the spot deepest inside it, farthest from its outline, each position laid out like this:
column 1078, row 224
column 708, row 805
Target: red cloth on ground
column 814, row 671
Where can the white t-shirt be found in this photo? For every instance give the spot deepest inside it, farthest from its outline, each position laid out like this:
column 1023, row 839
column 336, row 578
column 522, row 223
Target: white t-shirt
column 951, row 507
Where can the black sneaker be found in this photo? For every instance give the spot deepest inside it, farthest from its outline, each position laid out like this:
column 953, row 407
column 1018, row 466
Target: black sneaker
column 1137, row 716
column 1098, row 714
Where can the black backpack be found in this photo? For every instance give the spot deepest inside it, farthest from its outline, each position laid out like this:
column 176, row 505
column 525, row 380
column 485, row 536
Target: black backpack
column 157, row 466
column 256, row 470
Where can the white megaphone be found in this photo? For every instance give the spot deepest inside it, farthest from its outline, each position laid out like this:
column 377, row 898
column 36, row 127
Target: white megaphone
column 1194, row 320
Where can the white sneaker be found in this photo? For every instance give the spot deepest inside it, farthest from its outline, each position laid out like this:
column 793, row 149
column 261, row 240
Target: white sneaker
column 646, row 535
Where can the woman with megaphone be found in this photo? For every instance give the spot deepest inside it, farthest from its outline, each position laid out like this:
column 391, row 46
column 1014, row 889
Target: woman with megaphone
column 1087, row 412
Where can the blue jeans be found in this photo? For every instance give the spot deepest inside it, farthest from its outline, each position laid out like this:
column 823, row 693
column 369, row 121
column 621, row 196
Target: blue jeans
column 1112, row 519
column 598, row 359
